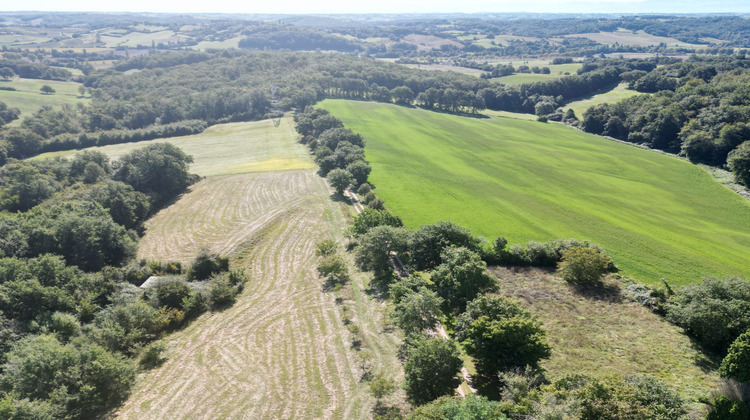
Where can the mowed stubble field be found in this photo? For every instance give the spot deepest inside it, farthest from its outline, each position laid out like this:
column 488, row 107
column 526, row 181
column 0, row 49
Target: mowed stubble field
column 282, row 350
column 657, row 216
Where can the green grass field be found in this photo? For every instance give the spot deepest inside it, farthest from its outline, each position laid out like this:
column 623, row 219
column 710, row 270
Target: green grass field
column 228, row 148
column 556, row 71
column 657, row 216
column 29, row 99
column 616, row 94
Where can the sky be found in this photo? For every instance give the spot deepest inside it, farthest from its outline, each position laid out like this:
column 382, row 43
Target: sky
column 384, row 6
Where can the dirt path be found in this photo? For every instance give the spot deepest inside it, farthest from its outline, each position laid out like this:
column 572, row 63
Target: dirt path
column 282, row 350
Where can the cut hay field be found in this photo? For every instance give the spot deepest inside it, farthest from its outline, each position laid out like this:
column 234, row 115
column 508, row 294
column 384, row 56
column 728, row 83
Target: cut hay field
column 638, row 38
column 616, row 94
column 283, row 350
column 28, row 99
column 228, row 148
column 657, row 216
column 608, row 334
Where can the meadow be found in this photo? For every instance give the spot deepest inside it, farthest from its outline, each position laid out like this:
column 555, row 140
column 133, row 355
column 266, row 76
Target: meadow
column 228, row 148
column 608, row 335
column 657, row 216
column 615, row 94
column 28, row 99
column 636, row 38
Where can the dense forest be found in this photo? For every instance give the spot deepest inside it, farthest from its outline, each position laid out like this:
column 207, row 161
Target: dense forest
column 700, row 109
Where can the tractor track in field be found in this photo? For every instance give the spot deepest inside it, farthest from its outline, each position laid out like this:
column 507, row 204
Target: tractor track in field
column 281, row 351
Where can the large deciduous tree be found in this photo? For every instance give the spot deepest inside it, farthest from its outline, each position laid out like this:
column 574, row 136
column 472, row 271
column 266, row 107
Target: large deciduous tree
column 431, row 368
column 159, row 170
column 500, row 334
column 461, row 278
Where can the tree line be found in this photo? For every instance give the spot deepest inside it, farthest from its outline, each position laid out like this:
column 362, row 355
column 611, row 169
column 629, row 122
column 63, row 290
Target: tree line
column 174, row 91
column 701, row 110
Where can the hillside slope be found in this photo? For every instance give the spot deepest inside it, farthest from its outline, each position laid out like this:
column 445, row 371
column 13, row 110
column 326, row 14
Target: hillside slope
column 283, row 349
column 658, row 216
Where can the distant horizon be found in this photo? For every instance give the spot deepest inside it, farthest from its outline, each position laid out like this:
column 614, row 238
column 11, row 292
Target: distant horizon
column 388, row 7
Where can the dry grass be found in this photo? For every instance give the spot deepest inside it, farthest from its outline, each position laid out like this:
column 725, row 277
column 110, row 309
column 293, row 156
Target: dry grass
column 639, row 39
column 228, row 148
column 602, row 333
column 285, row 348
column 282, row 350
column 429, row 42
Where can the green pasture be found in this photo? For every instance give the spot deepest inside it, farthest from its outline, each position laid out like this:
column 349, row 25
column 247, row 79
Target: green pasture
column 616, row 94
column 228, row 148
column 29, row 99
column 556, row 71
column 657, row 216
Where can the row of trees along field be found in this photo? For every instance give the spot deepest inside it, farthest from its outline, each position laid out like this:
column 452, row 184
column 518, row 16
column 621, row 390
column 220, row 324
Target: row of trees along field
column 75, row 327
column 701, row 109
column 448, row 283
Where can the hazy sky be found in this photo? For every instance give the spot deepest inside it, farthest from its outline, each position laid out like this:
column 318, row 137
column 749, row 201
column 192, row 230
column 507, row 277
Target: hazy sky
column 385, row 6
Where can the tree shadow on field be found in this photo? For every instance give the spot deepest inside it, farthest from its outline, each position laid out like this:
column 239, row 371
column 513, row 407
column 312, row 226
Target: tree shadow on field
column 458, row 113
column 604, row 291
column 339, row 198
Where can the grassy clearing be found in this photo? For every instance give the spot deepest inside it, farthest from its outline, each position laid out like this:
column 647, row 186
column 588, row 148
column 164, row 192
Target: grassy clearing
column 29, row 99
column 656, row 215
column 134, row 39
column 639, row 39
column 229, row 148
column 446, row 67
column 227, row 43
column 429, row 42
column 556, row 71
column 607, row 334
column 616, row 94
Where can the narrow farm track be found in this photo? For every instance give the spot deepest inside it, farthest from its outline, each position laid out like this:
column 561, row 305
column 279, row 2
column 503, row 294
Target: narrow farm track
column 282, row 350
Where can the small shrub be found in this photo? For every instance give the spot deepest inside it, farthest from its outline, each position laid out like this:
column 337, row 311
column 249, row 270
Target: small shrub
column 206, row 264
column 194, row 305
column 583, row 266
column 364, row 189
column 64, row 325
column 221, row 292
column 153, row 355
column 325, row 248
column 723, row 408
column 376, row 204
column 381, row 386
column 172, row 295
column 334, row 268
column 367, row 198
column 736, row 364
